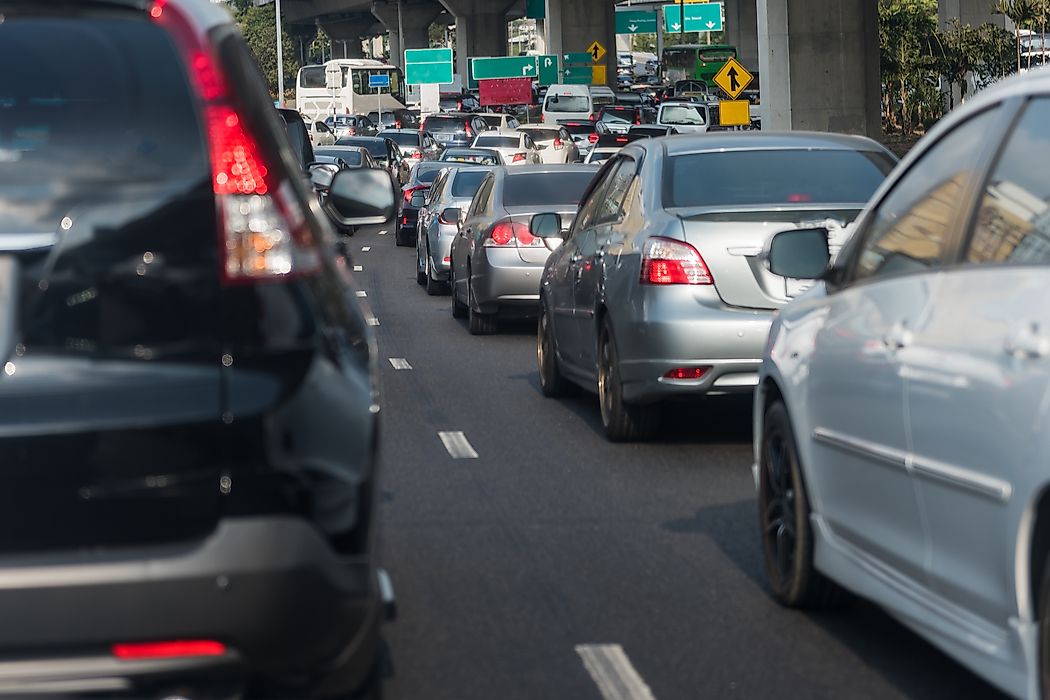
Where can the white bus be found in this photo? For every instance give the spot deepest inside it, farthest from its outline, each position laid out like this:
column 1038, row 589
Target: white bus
column 315, row 101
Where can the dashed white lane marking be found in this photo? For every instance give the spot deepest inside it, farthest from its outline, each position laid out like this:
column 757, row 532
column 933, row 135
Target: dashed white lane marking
column 457, row 444
column 357, row 268
column 613, row 673
column 383, row 232
column 361, row 295
column 399, row 363
column 373, row 321
column 366, row 248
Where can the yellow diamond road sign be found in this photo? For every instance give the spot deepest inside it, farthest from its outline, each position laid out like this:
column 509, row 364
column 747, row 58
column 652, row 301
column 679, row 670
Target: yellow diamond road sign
column 733, row 78
column 597, row 52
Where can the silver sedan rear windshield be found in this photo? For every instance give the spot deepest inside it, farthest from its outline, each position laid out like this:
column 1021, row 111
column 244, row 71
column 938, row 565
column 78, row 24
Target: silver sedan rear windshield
column 546, row 189
column 789, row 176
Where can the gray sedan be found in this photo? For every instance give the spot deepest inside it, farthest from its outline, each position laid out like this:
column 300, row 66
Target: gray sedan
column 496, row 263
column 901, row 420
column 449, row 197
column 658, row 291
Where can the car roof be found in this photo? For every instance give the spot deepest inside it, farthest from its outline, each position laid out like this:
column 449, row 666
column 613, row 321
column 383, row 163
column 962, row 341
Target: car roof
column 399, row 131
column 765, row 140
column 506, row 171
column 500, row 132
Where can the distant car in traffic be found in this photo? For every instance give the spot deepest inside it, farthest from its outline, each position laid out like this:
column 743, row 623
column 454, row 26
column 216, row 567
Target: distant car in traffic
column 463, row 102
column 496, row 263
column 385, row 152
column 478, row 156
column 657, row 291
column 413, row 196
column 498, row 120
column 415, row 145
column 555, row 141
column 188, row 436
column 448, row 199
column 584, row 134
column 900, row 421
column 685, row 116
column 321, row 134
column 395, row 119
column 454, row 129
column 516, row 147
column 343, row 125
column 346, row 157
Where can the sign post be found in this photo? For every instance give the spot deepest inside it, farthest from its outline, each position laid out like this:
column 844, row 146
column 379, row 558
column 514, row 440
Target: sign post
column 378, row 82
column 733, row 79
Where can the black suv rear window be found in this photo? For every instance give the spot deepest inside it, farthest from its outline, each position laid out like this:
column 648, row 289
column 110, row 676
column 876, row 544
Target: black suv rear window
column 445, row 124
column 120, row 112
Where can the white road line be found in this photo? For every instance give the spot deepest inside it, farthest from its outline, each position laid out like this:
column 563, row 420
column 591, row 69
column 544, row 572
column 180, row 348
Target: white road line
column 366, row 248
column 357, row 268
column 373, row 321
column 361, row 295
column 613, row 673
column 457, row 444
column 399, row 363
column 383, row 232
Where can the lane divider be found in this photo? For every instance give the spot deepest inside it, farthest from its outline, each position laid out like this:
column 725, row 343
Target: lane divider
column 366, row 249
column 613, row 673
column 360, row 294
column 399, row 363
column 383, row 232
column 357, row 268
column 373, row 321
column 457, row 444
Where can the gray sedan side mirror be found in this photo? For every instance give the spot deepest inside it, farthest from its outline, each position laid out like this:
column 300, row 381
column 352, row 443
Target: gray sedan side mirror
column 362, row 197
column 451, row 215
column 545, row 226
column 799, row 253
column 418, row 201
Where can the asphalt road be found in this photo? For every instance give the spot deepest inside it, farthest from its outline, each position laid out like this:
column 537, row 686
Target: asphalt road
column 553, row 538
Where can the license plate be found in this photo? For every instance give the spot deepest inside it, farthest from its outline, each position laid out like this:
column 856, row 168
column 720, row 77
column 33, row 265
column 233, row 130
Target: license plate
column 443, row 137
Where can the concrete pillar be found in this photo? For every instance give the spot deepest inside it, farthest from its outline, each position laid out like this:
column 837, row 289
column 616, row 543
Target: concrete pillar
column 819, row 65
column 346, row 28
column 573, row 25
column 414, row 22
column 742, row 30
column 975, row 12
column 481, row 30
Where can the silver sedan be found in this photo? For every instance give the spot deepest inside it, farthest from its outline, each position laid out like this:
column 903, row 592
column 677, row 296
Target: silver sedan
column 658, row 291
column 901, row 420
column 449, row 197
column 496, row 263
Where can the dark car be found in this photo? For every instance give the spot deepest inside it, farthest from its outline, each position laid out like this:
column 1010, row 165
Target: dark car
column 464, row 102
column 188, row 425
column 629, row 98
column 420, row 179
column 346, row 157
column 415, row 145
column 351, row 125
column 584, row 134
column 454, row 129
column 632, row 114
column 385, row 152
column 395, row 119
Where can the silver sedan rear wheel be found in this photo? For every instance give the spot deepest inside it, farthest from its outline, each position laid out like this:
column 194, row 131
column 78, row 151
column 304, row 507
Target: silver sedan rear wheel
column 552, row 383
column 623, row 422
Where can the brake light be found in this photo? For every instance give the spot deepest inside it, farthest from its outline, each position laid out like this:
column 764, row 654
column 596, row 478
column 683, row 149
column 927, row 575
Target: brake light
column 686, row 373
column 459, row 106
column 667, row 261
column 593, row 138
column 397, row 124
column 263, row 229
column 168, row 650
column 470, row 132
column 409, row 191
column 416, row 154
column 638, row 119
column 621, row 139
column 558, row 145
column 511, row 233
column 518, row 157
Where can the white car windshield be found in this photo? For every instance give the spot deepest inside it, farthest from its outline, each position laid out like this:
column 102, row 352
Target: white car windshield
column 681, row 114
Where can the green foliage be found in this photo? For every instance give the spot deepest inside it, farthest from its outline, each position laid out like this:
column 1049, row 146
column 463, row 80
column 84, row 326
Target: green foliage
column 258, row 25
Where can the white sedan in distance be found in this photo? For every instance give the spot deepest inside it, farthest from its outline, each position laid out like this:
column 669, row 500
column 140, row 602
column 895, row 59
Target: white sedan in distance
column 516, row 147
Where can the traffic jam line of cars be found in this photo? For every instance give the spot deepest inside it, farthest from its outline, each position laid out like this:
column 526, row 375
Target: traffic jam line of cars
column 191, row 369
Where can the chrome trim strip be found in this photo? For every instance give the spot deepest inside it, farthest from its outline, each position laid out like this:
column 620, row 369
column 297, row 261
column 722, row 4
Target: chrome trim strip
column 864, row 448
column 929, row 469
column 19, row 242
column 961, row 478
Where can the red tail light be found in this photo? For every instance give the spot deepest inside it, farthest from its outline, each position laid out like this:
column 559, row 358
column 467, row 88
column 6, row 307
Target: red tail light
column 518, row 157
column 416, row 154
column 667, row 261
column 263, row 229
column 638, row 119
column 459, row 106
column 511, row 233
column 685, row 373
column 470, row 132
column 593, row 117
column 593, row 138
column 558, row 145
column 168, row 650
column 352, row 131
column 621, row 139
column 397, row 124
column 409, row 191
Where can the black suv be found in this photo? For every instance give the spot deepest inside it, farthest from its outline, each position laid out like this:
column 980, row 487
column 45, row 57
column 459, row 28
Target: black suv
column 455, row 129
column 188, row 414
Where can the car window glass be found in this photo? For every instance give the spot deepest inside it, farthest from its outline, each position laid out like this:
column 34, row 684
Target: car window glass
column 911, row 228
column 1013, row 222
column 478, row 203
column 589, row 210
column 611, row 204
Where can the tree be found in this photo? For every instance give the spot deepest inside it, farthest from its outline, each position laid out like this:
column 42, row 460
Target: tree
column 904, row 30
column 258, row 25
column 1022, row 13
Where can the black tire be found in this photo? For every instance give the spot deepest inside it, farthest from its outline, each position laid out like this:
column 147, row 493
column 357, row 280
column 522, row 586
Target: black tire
column 552, row 383
column 1044, row 631
column 479, row 323
column 434, row 287
column 400, row 240
column 459, row 309
column 623, row 422
column 783, row 511
column 421, row 275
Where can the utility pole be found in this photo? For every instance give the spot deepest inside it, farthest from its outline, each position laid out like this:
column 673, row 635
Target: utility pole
column 400, row 37
column 280, row 57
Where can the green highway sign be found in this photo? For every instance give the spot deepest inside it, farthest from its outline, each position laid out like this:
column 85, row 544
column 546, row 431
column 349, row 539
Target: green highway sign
column 504, row 67
column 580, row 58
column 548, row 72
column 578, row 75
column 635, row 22
column 699, row 17
column 428, row 66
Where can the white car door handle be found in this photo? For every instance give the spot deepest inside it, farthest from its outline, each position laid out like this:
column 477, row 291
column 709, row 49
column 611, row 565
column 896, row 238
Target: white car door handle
column 1027, row 343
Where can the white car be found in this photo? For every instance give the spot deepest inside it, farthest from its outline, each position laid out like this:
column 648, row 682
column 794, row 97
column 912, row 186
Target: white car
column 555, row 142
column 321, row 134
column 497, row 120
column 601, row 154
column 686, row 117
column 516, row 147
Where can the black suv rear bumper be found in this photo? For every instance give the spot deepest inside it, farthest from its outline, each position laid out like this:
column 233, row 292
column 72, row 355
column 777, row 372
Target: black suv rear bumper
column 289, row 609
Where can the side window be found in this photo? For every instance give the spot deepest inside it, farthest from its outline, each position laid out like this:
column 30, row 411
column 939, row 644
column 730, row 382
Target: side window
column 564, row 135
column 1013, row 221
column 611, row 206
column 589, row 209
column 479, row 202
column 911, row 229
column 513, row 123
column 528, row 141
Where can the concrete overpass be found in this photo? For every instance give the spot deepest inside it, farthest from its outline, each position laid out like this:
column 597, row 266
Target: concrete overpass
column 819, row 59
